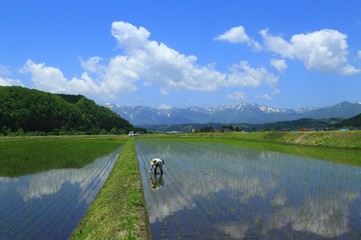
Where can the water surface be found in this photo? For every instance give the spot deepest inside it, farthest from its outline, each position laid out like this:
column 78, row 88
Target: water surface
column 216, row 191
column 49, row 205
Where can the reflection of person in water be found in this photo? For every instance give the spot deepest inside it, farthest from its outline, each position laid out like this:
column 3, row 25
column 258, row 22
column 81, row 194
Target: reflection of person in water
column 157, row 181
column 157, row 163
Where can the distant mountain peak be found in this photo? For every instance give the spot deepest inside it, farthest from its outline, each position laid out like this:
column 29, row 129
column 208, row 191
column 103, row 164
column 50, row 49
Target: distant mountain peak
column 239, row 113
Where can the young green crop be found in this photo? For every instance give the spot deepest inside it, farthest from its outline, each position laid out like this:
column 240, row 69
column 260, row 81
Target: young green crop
column 21, row 156
column 337, row 154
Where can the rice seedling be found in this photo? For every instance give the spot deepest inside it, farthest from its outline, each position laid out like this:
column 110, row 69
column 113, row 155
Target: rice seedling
column 34, row 155
column 210, row 185
column 49, row 204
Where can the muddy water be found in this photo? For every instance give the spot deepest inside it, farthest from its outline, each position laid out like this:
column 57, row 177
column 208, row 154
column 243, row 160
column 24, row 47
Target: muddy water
column 215, row 191
column 49, row 205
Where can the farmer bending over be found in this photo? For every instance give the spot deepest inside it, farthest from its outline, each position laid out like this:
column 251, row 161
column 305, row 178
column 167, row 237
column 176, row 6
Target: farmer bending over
column 157, row 163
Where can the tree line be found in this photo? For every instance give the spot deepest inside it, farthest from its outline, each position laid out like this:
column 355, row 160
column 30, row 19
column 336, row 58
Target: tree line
column 30, row 111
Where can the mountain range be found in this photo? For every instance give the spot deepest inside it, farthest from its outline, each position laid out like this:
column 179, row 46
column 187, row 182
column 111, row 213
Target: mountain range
column 240, row 113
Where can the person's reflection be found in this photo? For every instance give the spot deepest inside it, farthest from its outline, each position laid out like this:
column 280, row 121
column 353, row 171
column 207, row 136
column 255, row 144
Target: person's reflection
column 156, row 181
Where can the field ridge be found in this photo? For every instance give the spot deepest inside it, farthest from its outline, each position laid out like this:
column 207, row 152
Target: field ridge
column 340, row 139
column 119, row 210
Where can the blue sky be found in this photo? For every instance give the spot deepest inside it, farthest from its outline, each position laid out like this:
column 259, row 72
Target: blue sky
column 184, row 53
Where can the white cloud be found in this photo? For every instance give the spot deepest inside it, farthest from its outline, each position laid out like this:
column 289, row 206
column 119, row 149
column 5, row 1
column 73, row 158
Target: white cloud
column 246, row 76
column 120, row 75
column 92, row 64
column 130, row 37
column 144, row 62
column 324, row 50
column 5, row 81
column 279, row 64
column 157, row 63
column 164, row 106
column 164, row 91
column 237, row 95
column 4, row 71
column 349, row 70
column 9, row 82
column 238, row 35
column 265, row 96
column 359, row 54
column 52, row 79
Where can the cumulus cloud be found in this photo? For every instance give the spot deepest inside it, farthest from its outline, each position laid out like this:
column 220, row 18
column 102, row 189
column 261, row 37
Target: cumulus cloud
column 265, row 96
column 243, row 74
column 4, row 71
column 279, row 64
column 324, row 50
column 238, row 35
column 164, row 106
column 359, row 54
column 237, row 95
column 164, row 91
column 9, row 82
column 52, row 79
column 157, row 63
column 144, row 62
column 92, row 64
column 5, row 81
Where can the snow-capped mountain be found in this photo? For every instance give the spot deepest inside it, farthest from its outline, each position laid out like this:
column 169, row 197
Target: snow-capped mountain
column 240, row 113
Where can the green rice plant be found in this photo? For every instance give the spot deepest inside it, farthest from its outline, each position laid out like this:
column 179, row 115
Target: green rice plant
column 337, row 154
column 23, row 156
column 60, row 212
column 233, row 180
column 56, row 214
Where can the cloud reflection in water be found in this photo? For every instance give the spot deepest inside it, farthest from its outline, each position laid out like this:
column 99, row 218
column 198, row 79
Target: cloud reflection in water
column 50, row 204
column 236, row 192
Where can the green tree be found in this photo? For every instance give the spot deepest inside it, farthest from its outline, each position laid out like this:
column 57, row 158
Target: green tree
column 40, row 112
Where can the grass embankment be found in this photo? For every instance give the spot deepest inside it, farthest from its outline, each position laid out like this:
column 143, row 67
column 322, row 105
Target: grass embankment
column 334, row 139
column 338, row 139
column 21, row 156
column 118, row 211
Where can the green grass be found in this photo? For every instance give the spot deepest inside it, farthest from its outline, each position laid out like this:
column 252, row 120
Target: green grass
column 339, row 139
column 118, row 211
column 21, row 156
column 335, row 139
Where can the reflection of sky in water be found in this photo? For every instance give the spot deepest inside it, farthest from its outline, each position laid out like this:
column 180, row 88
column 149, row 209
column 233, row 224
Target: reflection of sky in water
column 48, row 205
column 213, row 190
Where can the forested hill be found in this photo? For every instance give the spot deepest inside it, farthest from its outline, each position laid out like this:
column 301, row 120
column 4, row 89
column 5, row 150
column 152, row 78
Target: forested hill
column 29, row 110
column 354, row 122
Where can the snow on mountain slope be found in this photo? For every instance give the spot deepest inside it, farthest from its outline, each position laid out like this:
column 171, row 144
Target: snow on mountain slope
column 239, row 113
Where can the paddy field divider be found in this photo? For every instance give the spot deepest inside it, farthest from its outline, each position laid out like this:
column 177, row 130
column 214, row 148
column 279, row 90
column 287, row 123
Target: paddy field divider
column 119, row 210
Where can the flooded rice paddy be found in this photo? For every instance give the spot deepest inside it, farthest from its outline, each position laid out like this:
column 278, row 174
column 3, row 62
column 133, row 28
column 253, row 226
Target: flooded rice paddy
column 217, row 191
column 49, row 205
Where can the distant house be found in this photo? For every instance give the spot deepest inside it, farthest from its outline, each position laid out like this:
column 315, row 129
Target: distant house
column 303, row 129
column 225, row 130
